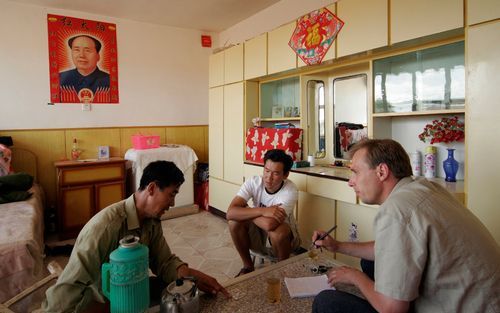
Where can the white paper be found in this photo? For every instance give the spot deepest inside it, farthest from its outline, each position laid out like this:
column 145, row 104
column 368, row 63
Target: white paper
column 307, row 286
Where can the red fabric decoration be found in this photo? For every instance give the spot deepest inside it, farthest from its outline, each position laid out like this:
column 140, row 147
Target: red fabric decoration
column 314, row 35
column 259, row 140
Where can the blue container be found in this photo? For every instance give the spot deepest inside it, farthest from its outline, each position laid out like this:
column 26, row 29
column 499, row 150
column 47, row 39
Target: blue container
column 125, row 279
column 450, row 166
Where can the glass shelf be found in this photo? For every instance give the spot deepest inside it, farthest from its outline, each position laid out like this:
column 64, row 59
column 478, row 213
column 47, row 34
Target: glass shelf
column 413, row 113
column 430, row 80
column 280, row 99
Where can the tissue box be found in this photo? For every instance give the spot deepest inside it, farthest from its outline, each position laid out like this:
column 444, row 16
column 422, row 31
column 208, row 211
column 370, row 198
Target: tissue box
column 260, row 139
column 141, row 142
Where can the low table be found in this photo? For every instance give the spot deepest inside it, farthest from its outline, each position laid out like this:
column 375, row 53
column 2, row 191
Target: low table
column 250, row 290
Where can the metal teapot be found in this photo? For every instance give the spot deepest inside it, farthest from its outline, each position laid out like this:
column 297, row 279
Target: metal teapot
column 181, row 296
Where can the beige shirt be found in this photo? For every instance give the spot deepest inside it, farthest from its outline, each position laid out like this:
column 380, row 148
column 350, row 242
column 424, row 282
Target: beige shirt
column 80, row 281
column 431, row 249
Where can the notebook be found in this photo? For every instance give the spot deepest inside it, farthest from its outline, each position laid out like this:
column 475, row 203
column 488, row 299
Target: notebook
column 307, row 286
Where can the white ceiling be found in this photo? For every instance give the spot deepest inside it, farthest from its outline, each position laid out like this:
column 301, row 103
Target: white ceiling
column 204, row 15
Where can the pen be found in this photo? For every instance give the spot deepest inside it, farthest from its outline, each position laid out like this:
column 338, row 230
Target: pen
column 325, row 234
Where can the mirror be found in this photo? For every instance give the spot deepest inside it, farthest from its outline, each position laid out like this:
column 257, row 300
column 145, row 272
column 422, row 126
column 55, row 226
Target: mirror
column 350, row 110
column 316, row 118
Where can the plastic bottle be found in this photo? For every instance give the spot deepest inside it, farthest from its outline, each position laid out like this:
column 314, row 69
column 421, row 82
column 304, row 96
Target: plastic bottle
column 430, row 162
column 75, row 153
column 416, row 163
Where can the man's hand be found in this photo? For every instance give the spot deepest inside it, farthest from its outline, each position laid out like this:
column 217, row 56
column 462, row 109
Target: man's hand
column 205, row 282
column 343, row 274
column 276, row 212
column 328, row 242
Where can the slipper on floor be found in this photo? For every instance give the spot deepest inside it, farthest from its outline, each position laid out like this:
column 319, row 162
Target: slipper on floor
column 244, row 271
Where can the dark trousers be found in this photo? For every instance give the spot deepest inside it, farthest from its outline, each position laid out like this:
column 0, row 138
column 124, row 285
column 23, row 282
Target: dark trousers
column 335, row 301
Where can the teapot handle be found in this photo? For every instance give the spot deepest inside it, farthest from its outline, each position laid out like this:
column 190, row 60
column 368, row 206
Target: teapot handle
column 105, row 278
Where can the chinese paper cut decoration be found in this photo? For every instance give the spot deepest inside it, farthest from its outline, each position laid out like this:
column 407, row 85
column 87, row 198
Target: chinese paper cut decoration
column 259, row 140
column 83, row 60
column 314, row 35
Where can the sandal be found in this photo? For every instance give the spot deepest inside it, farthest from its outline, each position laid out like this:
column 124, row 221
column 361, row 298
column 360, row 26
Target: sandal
column 244, row 271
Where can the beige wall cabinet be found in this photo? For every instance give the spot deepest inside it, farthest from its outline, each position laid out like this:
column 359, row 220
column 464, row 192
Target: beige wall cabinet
column 330, row 188
column 83, row 189
column 314, row 213
column 233, row 64
column 280, row 56
column 221, row 193
column 216, row 69
column 216, row 131
column 233, row 133
column 365, row 26
column 479, row 11
column 413, row 19
column 256, row 57
column 483, row 124
column 354, row 223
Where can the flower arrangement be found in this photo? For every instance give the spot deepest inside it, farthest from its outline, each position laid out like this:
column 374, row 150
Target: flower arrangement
column 445, row 130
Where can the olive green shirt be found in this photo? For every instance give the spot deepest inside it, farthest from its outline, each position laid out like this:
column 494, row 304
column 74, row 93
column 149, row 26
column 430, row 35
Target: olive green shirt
column 80, row 282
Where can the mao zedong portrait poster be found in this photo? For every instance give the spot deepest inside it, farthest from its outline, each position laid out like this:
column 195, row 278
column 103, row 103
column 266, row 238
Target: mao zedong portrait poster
column 83, row 60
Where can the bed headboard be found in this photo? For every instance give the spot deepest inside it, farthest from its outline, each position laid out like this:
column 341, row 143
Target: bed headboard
column 24, row 160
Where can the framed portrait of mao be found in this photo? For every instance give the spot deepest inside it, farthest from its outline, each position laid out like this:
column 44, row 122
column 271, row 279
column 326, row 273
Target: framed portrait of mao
column 83, row 60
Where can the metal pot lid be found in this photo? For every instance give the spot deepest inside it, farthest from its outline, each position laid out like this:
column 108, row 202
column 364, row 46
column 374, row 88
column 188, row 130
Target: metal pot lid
column 180, row 286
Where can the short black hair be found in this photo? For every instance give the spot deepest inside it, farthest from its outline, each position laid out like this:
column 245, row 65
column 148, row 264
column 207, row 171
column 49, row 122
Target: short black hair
column 163, row 173
column 278, row 155
column 97, row 43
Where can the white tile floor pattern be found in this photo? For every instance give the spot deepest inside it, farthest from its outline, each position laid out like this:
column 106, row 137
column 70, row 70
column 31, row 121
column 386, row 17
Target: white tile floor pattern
column 203, row 241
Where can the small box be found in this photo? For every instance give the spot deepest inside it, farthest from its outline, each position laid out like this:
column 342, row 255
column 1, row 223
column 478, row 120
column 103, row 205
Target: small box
column 141, row 142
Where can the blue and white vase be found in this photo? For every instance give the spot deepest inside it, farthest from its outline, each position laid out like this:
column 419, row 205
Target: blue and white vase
column 450, row 166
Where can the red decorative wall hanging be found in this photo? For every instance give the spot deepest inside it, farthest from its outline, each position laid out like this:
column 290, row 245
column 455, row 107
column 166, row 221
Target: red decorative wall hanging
column 314, row 35
column 83, row 60
column 259, row 140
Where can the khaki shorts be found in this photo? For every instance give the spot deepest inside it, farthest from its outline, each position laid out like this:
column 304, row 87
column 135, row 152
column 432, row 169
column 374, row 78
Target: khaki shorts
column 260, row 242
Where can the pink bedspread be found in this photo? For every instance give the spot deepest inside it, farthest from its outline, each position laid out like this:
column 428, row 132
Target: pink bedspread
column 21, row 244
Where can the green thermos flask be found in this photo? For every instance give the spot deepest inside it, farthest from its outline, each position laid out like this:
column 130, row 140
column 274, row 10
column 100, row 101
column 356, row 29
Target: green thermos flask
column 125, row 279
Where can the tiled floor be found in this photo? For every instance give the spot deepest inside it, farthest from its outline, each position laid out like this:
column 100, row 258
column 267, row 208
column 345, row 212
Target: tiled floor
column 204, row 242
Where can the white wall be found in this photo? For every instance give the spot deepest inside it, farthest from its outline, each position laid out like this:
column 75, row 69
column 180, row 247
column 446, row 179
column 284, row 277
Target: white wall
column 270, row 18
column 163, row 74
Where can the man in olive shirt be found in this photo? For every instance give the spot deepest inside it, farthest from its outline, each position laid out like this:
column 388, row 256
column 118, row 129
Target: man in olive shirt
column 78, row 287
column 431, row 253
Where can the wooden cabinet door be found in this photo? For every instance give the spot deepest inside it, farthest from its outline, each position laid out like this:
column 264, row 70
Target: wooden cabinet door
column 77, row 206
column 314, row 213
column 365, row 26
column 482, row 10
column 233, row 64
column 280, row 56
column 483, row 173
column 362, row 217
column 221, row 193
column 216, row 131
column 216, row 69
column 413, row 19
column 108, row 193
column 330, row 188
column 256, row 57
column 233, row 133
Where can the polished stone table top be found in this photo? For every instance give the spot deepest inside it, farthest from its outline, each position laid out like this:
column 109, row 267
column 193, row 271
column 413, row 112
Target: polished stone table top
column 249, row 291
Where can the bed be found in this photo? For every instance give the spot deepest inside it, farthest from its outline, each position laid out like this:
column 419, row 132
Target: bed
column 21, row 233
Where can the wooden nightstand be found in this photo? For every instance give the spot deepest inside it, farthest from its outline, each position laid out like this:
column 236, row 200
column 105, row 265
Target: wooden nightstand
column 84, row 188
